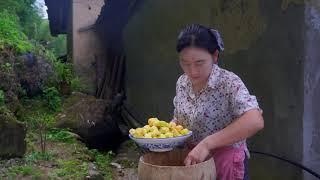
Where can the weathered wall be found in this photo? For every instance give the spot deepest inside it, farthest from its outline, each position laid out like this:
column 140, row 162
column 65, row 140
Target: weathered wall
column 311, row 123
column 86, row 47
column 264, row 43
column 272, row 68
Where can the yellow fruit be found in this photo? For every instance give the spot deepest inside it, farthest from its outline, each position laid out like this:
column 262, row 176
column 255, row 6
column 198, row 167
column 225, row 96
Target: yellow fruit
column 148, row 135
column 175, row 133
column 184, row 131
column 155, row 133
column 169, row 134
column 138, row 135
column 153, row 128
column 159, row 129
column 179, row 128
column 172, row 124
column 154, row 123
column 162, row 124
column 162, row 136
column 164, row 130
column 132, row 131
column 152, row 120
column 141, row 131
column 138, row 130
column 147, row 128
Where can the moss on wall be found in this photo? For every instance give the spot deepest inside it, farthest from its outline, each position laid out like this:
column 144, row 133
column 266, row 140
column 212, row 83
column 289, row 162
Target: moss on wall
column 286, row 3
column 239, row 21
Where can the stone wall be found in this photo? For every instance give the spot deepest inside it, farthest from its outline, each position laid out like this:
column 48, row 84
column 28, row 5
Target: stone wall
column 311, row 123
column 86, row 45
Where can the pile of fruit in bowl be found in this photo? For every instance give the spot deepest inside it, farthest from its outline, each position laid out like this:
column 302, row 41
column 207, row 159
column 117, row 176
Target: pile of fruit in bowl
column 160, row 136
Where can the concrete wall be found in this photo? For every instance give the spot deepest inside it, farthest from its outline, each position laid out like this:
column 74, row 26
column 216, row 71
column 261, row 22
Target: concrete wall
column 311, row 123
column 265, row 46
column 272, row 68
column 86, row 47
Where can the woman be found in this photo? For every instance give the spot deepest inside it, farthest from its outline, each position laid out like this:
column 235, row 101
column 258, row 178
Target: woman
column 214, row 103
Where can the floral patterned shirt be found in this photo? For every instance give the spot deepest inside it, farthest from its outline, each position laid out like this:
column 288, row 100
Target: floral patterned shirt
column 224, row 99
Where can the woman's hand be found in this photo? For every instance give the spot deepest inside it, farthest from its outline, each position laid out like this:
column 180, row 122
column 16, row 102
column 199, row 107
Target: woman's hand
column 198, row 154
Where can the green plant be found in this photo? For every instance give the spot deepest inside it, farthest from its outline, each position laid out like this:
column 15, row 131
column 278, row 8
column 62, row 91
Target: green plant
column 11, row 34
column 2, row 98
column 64, row 71
column 26, row 170
column 53, row 99
column 42, row 122
column 103, row 160
column 21, row 92
column 67, row 76
column 6, row 67
column 36, row 156
column 70, row 169
column 40, row 50
column 76, row 84
column 31, row 139
column 57, row 45
column 126, row 163
column 46, row 122
column 62, row 135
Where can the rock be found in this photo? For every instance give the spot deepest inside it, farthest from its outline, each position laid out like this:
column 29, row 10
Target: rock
column 12, row 135
column 23, row 75
column 6, row 164
column 12, row 102
column 93, row 173
column 9, row 84
column 128, row 151
column 126, row 174
column 33, row 72
column 87, row 117
column 116, row 165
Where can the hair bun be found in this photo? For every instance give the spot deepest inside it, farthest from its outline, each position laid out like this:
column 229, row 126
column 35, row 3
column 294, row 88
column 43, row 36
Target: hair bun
column 217, row 36
column 196, row 35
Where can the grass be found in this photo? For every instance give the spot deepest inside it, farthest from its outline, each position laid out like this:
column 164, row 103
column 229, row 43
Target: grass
column 70, row 169
column 17, row 172
column 65, row 158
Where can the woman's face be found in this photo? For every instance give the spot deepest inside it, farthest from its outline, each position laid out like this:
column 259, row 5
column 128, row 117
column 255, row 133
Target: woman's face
column 196, row 64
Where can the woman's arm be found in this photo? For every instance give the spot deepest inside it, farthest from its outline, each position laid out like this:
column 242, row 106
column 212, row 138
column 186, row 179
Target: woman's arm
column 245, row 126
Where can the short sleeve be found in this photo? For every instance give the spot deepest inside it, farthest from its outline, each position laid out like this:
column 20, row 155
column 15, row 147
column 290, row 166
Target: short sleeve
column 176, row 100
column 174, row 119
column 240, row 98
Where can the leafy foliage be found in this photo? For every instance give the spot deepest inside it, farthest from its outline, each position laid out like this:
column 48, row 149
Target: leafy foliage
column 11, row 34
column 42, row 122
column 36, row 156
column 25, row 170
column 1, row 98
column 57, row 45
column 70, row 169
column 61, row 135
column 28, row 13
column 53, row 99
column 103, row 160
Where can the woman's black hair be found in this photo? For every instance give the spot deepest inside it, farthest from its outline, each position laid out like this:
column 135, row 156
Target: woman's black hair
column 196, row 35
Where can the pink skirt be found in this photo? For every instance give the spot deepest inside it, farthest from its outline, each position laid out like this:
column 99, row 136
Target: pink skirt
column 230, row 163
